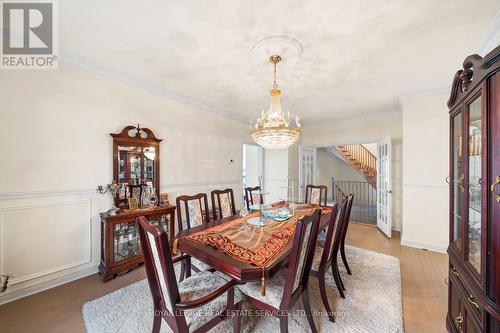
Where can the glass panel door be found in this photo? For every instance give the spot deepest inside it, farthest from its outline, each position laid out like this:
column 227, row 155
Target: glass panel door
column 474, row 184
column 458, row 182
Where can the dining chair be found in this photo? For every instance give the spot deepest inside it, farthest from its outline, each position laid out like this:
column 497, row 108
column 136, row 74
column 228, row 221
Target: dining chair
column 223, row 203
column 196, row 212
column 327, row 251
column 287, row 285
column 347, row 218
column 180, row 304
column 316, row 194
column 252, row 198
column 333, row 247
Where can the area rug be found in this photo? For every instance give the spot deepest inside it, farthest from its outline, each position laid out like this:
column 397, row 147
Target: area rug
column 372, row 304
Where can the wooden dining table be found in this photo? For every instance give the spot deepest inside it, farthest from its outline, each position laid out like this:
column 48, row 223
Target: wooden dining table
column 236, row 269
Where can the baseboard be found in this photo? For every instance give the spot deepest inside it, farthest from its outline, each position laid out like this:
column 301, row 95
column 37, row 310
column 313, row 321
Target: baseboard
column 15, row 295
column 423, row 246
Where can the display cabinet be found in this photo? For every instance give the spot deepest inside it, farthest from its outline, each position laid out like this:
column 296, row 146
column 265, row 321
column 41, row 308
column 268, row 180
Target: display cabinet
column 474, row 249
column 120, row 246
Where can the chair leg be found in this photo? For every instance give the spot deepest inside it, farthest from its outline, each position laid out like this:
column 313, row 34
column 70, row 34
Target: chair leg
column 156, row 322
column 237, row 320
column 336, row 277
column 340, row 278
column 284, row 324
column 324, row 297
column 307, row 308
column 344, row 259
column 183, row 271
column 188, row 267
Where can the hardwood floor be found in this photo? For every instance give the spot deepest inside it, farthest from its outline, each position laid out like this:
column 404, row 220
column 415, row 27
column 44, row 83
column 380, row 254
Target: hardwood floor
column 423, row 273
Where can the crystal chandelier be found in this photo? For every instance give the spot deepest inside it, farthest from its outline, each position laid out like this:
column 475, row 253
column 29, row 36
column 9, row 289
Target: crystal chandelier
column 272, row 130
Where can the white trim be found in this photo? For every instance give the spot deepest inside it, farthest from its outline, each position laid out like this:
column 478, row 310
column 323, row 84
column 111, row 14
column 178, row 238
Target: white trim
column 17, row 294
column 45, row 193
column 423, row 92
column 423, row 246
column 365, row 117
column 487, row 41
column 113, row 75
column 93, row 190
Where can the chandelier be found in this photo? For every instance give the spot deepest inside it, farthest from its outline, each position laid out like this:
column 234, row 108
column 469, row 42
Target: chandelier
column 272, row 130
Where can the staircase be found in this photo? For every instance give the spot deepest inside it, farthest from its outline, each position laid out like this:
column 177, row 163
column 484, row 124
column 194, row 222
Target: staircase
column 361, row 160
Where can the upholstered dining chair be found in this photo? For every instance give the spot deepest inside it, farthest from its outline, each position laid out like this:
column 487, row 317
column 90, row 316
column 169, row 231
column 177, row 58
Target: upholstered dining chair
column 316, row 194
column 196, row 212
column 287, row 285
column 252, row 198
column 347, row 217
column 223, row 203
column 180, row 304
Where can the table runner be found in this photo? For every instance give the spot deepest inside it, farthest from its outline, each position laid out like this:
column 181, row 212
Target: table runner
column 253, row 244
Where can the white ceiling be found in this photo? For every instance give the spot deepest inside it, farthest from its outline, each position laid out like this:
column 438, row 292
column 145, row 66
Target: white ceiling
column 358, row 54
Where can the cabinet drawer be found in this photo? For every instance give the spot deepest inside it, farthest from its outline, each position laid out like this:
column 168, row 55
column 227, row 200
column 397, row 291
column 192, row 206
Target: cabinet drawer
column 466, row 297
column 455, row 305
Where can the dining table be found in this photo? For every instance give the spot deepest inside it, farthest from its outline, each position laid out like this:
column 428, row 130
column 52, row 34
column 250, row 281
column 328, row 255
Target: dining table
column 239, row 270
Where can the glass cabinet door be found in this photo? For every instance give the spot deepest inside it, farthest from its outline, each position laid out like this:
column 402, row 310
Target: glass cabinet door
column 458, row 182
column 474, row 182
column 126, row 242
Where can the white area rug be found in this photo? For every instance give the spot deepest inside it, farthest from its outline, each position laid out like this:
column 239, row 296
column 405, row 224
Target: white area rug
column 372, row 303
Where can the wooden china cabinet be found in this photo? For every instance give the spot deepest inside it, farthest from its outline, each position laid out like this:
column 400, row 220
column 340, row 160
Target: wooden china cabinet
column 136, row 162
column 474, row 249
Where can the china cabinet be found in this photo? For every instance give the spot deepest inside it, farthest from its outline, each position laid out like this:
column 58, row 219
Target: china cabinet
column 474, row 249
column 120, row 246
column 136, row 173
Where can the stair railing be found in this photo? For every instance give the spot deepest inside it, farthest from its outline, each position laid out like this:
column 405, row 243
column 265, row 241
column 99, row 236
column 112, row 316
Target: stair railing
column 362, row 155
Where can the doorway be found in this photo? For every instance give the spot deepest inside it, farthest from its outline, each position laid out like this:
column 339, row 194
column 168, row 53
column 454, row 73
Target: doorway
column 363, row 169
column 252, row 163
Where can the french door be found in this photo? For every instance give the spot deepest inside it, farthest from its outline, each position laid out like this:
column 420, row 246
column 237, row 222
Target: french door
column 384, row 188
column 307, row 170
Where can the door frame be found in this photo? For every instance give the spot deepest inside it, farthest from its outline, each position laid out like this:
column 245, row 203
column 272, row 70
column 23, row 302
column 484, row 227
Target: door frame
column 261, row 155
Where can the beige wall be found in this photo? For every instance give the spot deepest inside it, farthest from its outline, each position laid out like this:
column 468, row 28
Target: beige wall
column 368, row 129
column 425, row 167
column 54, row 130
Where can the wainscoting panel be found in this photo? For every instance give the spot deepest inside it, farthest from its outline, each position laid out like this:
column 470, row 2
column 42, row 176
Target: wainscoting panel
column 48, row 240
column 42, row 239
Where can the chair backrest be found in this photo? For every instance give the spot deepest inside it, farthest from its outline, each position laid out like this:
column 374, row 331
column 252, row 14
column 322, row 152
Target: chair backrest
column 338, row 230
column 347, row 216
column 159, row 266
column 253, row 198
column 301, row 257
column 223, row 203
column 316, row 194
column 331, row 231
column 195, row 208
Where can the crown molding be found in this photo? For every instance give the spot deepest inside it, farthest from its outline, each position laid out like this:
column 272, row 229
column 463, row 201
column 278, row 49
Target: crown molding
column 343, row 119
column 131, row 81
column 490, row 38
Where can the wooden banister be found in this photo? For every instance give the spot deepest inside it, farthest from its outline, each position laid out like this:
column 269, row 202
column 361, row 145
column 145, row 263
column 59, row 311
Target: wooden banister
column 362, row 160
